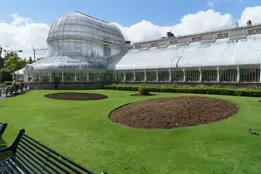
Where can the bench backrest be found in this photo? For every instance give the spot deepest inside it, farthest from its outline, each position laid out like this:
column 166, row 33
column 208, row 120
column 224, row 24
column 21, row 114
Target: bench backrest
column 2, row 128
column 34, row 157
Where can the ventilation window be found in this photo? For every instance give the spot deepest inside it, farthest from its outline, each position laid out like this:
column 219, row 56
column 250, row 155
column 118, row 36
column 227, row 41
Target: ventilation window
column 154, row 44
column 162, row 46
column 255, row 31
column 223, row 35
column 173, row 42
column 207, row 41
column 194, row 39
column 137, row 46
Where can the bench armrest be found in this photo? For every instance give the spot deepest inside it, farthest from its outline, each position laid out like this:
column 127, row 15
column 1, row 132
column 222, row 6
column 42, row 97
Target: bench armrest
column 10, row 151
column 2, row 129
column 5, row 154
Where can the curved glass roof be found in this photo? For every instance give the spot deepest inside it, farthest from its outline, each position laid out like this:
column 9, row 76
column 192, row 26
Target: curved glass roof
column 222, row 52
column 78, row 41
column 59, row 62
column 79, row 24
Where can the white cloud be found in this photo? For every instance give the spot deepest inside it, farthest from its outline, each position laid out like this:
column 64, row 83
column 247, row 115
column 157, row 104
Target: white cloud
column 191, row 23
column 18, row 20
column 23, row 32
column 252, row 13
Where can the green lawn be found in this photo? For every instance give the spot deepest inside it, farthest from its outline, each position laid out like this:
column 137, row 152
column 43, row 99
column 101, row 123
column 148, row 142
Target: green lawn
column 82, row 131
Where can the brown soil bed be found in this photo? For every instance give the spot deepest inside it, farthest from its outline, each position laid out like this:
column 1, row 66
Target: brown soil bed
column 76, row 96
column 169, row 113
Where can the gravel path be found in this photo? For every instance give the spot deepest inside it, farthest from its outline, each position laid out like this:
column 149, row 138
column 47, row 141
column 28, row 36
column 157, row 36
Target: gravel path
column 2, row 98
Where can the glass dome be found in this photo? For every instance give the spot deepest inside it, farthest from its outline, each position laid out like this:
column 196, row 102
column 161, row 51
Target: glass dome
column 59, row 62
column 78, row 40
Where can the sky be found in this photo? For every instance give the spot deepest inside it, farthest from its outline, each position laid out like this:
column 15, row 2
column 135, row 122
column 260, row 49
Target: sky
column 26, row 22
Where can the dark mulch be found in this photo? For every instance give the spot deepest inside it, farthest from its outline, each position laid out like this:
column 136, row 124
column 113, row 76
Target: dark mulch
column 76, row 96
column 168, row 113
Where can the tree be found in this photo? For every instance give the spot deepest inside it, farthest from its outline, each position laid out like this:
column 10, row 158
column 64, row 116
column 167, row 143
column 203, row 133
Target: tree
column 10, row 53
column 56, row 82
column 5, row 76
column 30, row 61
column 249, row 22
column 1, row 51
column 14, row 63
column 1, row 59
column 7, row 55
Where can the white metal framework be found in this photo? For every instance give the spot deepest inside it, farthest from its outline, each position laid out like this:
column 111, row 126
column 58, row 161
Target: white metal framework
column 84, row 49
column 78, row 41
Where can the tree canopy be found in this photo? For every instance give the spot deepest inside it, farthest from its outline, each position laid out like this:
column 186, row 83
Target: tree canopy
column 10, row 61
column 5, row 76
column 14, row 63
column 2, row 61
column 30, row 61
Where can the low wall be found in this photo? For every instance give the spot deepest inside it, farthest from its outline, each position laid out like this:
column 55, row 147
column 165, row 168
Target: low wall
column 100, row 85
column 68, row 86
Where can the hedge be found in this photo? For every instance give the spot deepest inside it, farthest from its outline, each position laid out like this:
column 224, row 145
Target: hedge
column 8, row 83
column 5, row 76
column 216, row 91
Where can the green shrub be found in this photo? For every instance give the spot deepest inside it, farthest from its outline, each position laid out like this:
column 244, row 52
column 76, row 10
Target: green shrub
column 143, row 91
column 8, row 83
column 254, row 87
column 56, row 82
column 5, row 76
column 195, row 90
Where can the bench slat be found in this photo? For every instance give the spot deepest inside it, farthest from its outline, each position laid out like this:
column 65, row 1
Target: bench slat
column 31, row 167
column 22, row 144
column 1, row 169
column 62, row 157
column 26, row 156
column 5, row 169
column 55, row 158
column 16, row 165
column 23, row 166
column 48, row 159
column 33, row 161
column 13, row 169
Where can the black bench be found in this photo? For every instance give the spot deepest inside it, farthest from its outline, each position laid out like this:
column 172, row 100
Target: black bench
column 14, row 88
column 2, row 128
column 27, row 156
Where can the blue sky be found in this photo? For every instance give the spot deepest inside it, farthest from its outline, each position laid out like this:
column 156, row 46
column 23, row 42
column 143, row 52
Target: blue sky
column 126, row 13
column 26, row 22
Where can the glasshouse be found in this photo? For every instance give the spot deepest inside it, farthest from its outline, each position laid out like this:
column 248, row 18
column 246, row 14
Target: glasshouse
column 85, row 49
